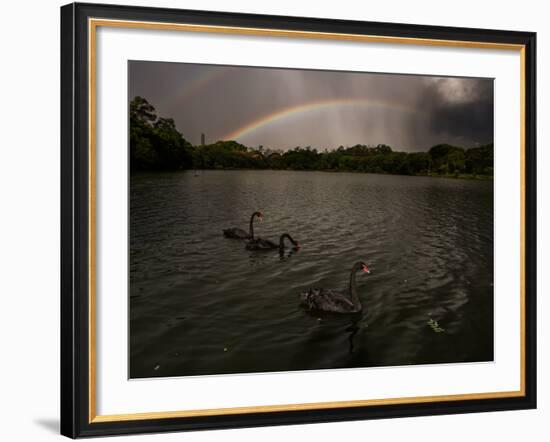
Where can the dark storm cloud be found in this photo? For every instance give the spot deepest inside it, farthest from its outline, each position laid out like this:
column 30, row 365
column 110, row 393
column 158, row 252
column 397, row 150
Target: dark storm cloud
column 322, row 109
column 461, row 109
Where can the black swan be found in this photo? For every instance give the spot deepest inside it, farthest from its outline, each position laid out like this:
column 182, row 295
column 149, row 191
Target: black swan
column 266, row 244
column 237, row 233
column 332, row 301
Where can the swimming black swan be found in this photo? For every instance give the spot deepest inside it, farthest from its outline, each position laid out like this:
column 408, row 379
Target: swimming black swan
column 266, row 244
column 237, row 233
column 331, row 301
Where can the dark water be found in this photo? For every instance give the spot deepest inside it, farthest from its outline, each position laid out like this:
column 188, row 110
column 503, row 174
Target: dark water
column 202, row 304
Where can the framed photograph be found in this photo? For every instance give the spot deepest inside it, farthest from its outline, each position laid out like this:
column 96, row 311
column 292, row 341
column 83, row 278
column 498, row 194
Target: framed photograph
column 275, row 220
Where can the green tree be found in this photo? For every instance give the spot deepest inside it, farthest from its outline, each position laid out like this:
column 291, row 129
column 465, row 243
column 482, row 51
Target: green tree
column 155, row 143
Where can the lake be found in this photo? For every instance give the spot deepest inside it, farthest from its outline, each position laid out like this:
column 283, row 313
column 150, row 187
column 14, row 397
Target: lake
column 202, row 304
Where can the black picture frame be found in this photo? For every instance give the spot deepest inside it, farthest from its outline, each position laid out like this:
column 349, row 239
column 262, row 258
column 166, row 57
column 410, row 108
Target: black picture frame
column 76, row 418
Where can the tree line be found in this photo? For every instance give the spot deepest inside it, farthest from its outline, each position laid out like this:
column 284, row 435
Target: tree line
column 156, row 144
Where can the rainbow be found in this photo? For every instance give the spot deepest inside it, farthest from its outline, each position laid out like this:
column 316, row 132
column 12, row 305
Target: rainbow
column 198, row 84
column 294, row 111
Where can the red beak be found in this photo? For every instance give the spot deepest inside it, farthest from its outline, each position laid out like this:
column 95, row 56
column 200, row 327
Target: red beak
column 366, row 269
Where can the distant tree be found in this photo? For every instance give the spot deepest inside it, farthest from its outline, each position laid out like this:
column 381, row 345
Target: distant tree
column 447, row 159
column 420, row 162
column 142, row 111
column 383, row 149
column 479, row 160
column 155, row 143
column 455, row 161
column 142, row 153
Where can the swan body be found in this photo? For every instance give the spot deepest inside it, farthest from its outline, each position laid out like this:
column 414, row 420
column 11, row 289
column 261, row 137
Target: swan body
column 237, row 233
column 261, row 244
column 266, row 244
column 327, row 300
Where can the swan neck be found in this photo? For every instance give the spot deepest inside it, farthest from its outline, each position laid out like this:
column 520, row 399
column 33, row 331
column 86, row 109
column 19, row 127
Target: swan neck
column 353, row 289
column 251, row 228
column 282, row 242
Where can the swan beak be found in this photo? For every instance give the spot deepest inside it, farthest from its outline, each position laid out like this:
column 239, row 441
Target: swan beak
column 298, row 246
column 366, row 269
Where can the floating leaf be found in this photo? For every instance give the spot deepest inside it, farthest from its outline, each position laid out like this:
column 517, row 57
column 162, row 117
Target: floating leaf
column 434, row 325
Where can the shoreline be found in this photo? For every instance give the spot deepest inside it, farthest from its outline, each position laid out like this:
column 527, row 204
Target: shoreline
column 468, row 177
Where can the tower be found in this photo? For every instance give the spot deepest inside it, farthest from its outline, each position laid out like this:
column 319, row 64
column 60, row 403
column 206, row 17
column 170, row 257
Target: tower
column 203, row 139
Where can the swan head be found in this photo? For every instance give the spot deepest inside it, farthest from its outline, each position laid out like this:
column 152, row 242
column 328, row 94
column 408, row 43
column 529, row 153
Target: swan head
column 295, row 244
column 365, row 268
column 260, row 215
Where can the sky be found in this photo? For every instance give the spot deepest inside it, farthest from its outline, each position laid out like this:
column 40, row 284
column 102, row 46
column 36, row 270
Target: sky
column 284, row 108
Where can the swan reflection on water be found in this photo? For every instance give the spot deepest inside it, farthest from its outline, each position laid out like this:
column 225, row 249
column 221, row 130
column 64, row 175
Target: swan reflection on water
column 258, row 257
column 353, row 329
column 283, row 256
column 336, row 324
